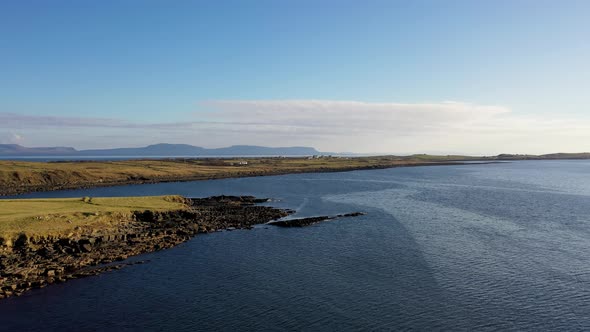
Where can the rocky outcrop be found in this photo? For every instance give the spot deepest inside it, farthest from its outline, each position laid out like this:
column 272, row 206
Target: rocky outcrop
column 301, row 222
column 36, row 262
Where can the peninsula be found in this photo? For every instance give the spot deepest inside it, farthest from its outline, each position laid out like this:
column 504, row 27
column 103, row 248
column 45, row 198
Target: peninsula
column 46, row 241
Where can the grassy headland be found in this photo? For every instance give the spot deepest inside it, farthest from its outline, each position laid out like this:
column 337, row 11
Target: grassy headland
column 59, row 216
column 44, row 241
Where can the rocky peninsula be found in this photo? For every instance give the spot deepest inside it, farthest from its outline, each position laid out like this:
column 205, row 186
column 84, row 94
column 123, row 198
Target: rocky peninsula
column 76, row 238
column 36, row 260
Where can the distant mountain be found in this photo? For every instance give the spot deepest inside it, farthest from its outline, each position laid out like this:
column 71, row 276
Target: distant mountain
column 186, row 150
column 249, row 150
column 151, row 150
column 17, row 150
column 159, row 150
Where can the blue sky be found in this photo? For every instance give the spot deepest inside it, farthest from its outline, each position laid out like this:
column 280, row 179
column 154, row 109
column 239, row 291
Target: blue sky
column 68, row 66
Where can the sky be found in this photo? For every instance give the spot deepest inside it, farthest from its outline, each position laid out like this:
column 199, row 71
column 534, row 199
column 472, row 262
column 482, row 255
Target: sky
column 412, row 76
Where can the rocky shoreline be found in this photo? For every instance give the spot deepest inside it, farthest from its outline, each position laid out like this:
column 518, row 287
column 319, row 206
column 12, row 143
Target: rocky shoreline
column 35, row 262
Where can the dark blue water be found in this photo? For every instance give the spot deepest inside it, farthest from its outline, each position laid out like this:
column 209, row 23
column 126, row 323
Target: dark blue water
column 479, row 247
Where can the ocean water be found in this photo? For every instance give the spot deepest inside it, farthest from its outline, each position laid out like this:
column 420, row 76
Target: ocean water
column 479, row 247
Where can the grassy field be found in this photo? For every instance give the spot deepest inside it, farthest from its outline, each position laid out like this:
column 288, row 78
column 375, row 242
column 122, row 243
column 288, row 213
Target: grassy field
column 20, row 177
column 42, row 217
column 17, row 176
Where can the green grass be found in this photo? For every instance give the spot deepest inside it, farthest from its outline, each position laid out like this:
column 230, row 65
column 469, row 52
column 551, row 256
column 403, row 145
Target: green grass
column 18, row 177
column 42, row 217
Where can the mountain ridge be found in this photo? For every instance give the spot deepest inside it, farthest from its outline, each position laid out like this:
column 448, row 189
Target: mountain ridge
column 160, row 149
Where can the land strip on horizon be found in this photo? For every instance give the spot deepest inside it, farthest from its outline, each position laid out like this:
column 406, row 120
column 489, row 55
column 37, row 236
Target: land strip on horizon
column 18, row 177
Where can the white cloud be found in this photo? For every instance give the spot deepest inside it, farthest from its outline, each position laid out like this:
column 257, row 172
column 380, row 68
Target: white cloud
column 444, row 127
column 353, row 115
column 11, row 138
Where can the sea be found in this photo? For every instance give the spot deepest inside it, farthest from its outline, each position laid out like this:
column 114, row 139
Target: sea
column 478, row 247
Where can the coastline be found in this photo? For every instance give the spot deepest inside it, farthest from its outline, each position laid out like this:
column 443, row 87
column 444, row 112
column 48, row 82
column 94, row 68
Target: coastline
column 52, row 178
column 30, row 259
column 34, row 260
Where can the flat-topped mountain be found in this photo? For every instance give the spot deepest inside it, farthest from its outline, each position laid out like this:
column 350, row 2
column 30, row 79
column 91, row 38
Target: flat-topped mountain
column 17, row 150
column 159, row 150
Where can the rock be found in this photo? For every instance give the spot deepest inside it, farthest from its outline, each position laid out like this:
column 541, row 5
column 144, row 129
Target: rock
column 37, row 284
column 86, row 247
column 21, row 241
column 10, row 287
column 301, row 222
column 354, row 214
column 46, row 252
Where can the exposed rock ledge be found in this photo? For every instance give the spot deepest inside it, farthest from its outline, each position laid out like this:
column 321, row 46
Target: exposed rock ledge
column 301, row 222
